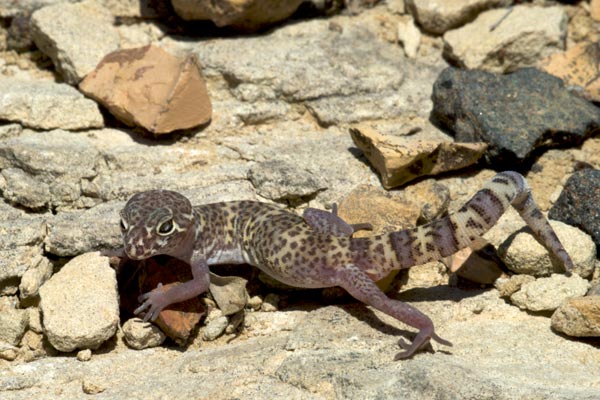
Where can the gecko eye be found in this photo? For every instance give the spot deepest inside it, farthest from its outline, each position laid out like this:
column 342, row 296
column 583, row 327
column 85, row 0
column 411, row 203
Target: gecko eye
column 124, row 225
column 166, row 228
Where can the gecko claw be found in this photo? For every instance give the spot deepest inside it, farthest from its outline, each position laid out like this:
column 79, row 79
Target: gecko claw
column 422, row 340
column 152, row 304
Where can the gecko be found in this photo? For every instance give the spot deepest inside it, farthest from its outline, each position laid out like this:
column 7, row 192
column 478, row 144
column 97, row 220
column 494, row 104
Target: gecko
column 315, row 250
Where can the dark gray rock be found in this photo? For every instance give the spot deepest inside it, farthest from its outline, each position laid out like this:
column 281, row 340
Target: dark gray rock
column 578, row 203
column 516, row 114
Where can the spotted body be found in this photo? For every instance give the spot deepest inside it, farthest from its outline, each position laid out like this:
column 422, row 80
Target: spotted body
column 316, row 250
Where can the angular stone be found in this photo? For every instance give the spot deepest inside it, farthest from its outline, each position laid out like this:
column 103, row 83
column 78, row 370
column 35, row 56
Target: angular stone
column 280, row 180
column 507, row 286
column 13, row 323
column 142, row 335
column 579, row 316
column 410, row 37
column 80, row 304
column 149, row 87
column 76, row 232
column 215, row 328
column 229, row 292
column 84, row 36
column 438, row 16
column 178, row 320
column 515, row 114
column 399, row 161
column 34, row 278
column 478, row 263
column 21, row 188
column 242, row 14
column 577, row 204
column 47, row 105
column 547, row 294
column 516, row 41
column 577, row 67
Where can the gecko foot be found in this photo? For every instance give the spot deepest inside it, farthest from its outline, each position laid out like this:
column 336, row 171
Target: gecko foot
column 422, row 340
column 152, row 303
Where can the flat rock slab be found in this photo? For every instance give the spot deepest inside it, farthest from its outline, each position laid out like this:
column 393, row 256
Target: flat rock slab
column 150, row 88
column 79, row 304
column 331, row 352
column 577, row 67
column 83, row 37
column 438, row 16
column 505, row 40
column 47, row 105
column 577, row 204
column 246, row 15
column 515, row 114
column 399, row 161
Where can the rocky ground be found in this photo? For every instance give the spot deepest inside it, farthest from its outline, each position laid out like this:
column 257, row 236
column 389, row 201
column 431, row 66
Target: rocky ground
column 368, row 104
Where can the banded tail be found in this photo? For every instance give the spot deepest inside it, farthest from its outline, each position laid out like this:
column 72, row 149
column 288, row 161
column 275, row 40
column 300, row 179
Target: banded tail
column 403, row 249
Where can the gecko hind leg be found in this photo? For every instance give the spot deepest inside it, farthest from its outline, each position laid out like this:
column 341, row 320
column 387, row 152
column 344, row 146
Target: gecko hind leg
column 330, row 223
column 361, row 287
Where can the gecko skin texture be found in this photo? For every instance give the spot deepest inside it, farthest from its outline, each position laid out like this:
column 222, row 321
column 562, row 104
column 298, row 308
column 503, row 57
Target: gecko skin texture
column 316, row 250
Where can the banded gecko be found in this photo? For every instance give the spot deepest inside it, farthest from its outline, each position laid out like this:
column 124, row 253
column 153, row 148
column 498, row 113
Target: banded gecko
column 315, row 250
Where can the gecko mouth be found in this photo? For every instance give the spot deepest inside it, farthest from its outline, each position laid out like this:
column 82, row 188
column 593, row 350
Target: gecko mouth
column 138, row 252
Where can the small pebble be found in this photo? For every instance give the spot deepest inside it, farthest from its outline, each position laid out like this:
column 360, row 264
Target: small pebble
column 84, row 355
column 91, row 387
column 271, row 303
column 255, row 302
column 215, row 328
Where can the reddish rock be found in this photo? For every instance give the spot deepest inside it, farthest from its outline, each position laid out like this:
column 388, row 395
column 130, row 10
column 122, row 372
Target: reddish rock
column 151, row 88
column 137, row 277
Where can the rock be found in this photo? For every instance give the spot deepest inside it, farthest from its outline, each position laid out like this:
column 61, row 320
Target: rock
column 58, row 159
column 255, row 302
column 13, row 264
column 248, row 15
column 410, row 36
column 516, row 42
column 438, row 16
column 595, row 9
column 169, row 93
column 8, row 352
column 142, row 335
column 47, row 105
column 576, row 67
column 229, row 292
column 281, row 180
column 399, row 161
column 579, row 316
column 76, row 232
column 11, row 8
column 478, row 263
column 13, row 324
column 271, row 303
column 515, row 114
column 84, row 355
column 92, row 386
column 507, row 286
column 84, row 36
column 547, row 294
column 34, row 278
column 215, row 328
column 523, row 254
column 147, row 9
column 35, row 319
column 577, row 204
column 178, row 320
column 80, row 304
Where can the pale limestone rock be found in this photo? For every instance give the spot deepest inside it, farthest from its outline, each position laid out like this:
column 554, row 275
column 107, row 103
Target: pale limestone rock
column 142, row 335
column 229, row 292
column 80, row 304
column 83, row 37
column 410, row 37
column 507, row 286
column 547, row 294
column 47, row 105
column 579, row 316
column 525, row 36
column 13, row 323
column 34, row 278
column 148, row 87
column 399, row 161
column 215, row 328
column 282, row 180
column 438, row 16
column 242, row 14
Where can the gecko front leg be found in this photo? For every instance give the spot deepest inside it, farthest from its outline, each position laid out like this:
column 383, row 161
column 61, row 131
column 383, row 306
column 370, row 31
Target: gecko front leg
column 158, row 299
column 330, row 223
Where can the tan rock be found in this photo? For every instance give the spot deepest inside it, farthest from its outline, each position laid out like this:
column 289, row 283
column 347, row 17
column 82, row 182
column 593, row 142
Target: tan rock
column 399, row 161
column 151, row 88
column 577, row 67
column 579, row 316
column 478, row 263
column 241, row 14
column 595, row 9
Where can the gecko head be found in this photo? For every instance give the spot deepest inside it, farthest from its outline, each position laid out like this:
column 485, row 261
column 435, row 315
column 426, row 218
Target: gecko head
column 156, row 222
